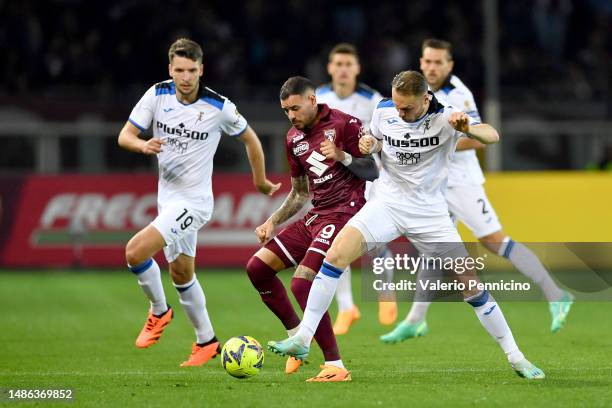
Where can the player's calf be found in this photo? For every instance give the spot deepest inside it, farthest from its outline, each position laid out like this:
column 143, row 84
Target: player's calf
column 272, row 291
column 324, row 334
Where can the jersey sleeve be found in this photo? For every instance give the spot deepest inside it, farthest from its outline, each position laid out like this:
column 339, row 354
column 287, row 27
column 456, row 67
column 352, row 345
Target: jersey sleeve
column 232, row 122
column 295, row 167
column 374, row 130
column 464, row 101
column 143, row 112
column 353, row 130
column 450, row 109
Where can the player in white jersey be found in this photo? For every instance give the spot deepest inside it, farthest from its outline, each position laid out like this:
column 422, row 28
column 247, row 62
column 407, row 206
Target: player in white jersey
column 345, row 93
column 188, row 119
column 468, row 202
column 417, row 136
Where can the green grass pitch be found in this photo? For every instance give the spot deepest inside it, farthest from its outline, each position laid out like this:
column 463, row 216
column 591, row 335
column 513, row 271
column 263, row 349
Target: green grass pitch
column 76, row 330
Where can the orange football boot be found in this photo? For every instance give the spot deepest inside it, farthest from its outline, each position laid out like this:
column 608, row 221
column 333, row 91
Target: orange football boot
column 201, row 354
column 153, row 329
column 345, row 319
column 331, row 374
column 387, row 312
column 292, row 365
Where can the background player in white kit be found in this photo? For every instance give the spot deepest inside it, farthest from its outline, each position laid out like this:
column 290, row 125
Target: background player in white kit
column 187, row 120
column 345, row 93
column 468, row 202
column 417, row 136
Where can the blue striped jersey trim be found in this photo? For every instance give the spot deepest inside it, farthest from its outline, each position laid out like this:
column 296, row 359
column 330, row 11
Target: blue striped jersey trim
column 385, row 103
column 133, row 122
column 212, row 101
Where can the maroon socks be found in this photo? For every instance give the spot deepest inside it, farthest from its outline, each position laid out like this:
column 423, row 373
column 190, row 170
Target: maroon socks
column 272, row 292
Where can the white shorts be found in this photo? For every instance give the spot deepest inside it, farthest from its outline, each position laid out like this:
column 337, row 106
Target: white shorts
column 470, row 205
column 178, row 223
column 369, row 189
column 380, row 223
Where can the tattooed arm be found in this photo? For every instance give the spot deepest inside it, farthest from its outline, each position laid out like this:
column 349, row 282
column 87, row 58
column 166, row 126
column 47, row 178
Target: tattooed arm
column 298, row 196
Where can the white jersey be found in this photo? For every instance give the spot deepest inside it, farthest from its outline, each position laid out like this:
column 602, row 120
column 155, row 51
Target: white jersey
column 359, row 104
column 464, row 168
column 192, row 133
column 416, row 157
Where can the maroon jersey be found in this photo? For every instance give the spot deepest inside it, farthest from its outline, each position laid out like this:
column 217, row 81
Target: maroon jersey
column 332, row 185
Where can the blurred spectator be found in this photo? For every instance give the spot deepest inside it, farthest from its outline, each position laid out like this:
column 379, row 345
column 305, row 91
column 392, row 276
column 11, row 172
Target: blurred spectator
column 99, row 51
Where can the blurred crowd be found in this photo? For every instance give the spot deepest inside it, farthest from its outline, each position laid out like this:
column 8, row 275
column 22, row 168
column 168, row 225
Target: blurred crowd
column 549, row 49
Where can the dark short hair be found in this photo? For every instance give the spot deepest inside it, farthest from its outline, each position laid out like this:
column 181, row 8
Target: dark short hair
column 343, row 48
column 410, row 83
column 296, row 85
column 438, row 45
column 186, row 48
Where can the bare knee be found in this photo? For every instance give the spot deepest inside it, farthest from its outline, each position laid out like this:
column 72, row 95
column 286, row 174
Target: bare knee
column 134, row 253
column 263, row 265
column 143, row 245
column 337, row 259
column 181, row 273
column 304, row 272
column 493, row 241
column 301, row 283
column 180, row 276
column 346, row 247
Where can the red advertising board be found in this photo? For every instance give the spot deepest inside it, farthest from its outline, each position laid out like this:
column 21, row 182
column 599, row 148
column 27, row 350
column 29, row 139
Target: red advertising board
column 86, row 220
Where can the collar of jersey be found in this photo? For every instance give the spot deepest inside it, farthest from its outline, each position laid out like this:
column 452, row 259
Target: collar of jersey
column 198, row 96
column 447, row 86
column 325, row 111
column 434, row 107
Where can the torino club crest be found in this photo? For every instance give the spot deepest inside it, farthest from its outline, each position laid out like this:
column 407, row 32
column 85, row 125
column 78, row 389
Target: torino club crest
column 330, row 134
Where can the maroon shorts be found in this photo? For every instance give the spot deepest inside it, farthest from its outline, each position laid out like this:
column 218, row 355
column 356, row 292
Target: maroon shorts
column 306, row 242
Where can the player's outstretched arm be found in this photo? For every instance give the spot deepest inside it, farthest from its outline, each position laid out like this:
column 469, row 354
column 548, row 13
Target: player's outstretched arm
column 258, row 163
column 465, row 143
column 298, row 196
column 363, row 167
column 129, row 140
column 482, row 132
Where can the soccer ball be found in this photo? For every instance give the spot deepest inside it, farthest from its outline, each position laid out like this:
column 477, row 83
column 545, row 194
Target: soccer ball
column 242, row 357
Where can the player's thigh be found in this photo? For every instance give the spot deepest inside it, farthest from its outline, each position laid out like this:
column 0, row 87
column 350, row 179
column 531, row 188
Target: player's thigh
column 270, row 258
column 375, row 224
column 442, row 249
column 186, row 245
column 290, row 244
column 143, row 245
column 437, row 237
column 308, row 272
column 470, row 205
column 323, row 231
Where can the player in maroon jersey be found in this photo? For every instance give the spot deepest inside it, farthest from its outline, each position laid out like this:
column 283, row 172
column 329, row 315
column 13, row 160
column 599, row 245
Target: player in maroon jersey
column 324, row 158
